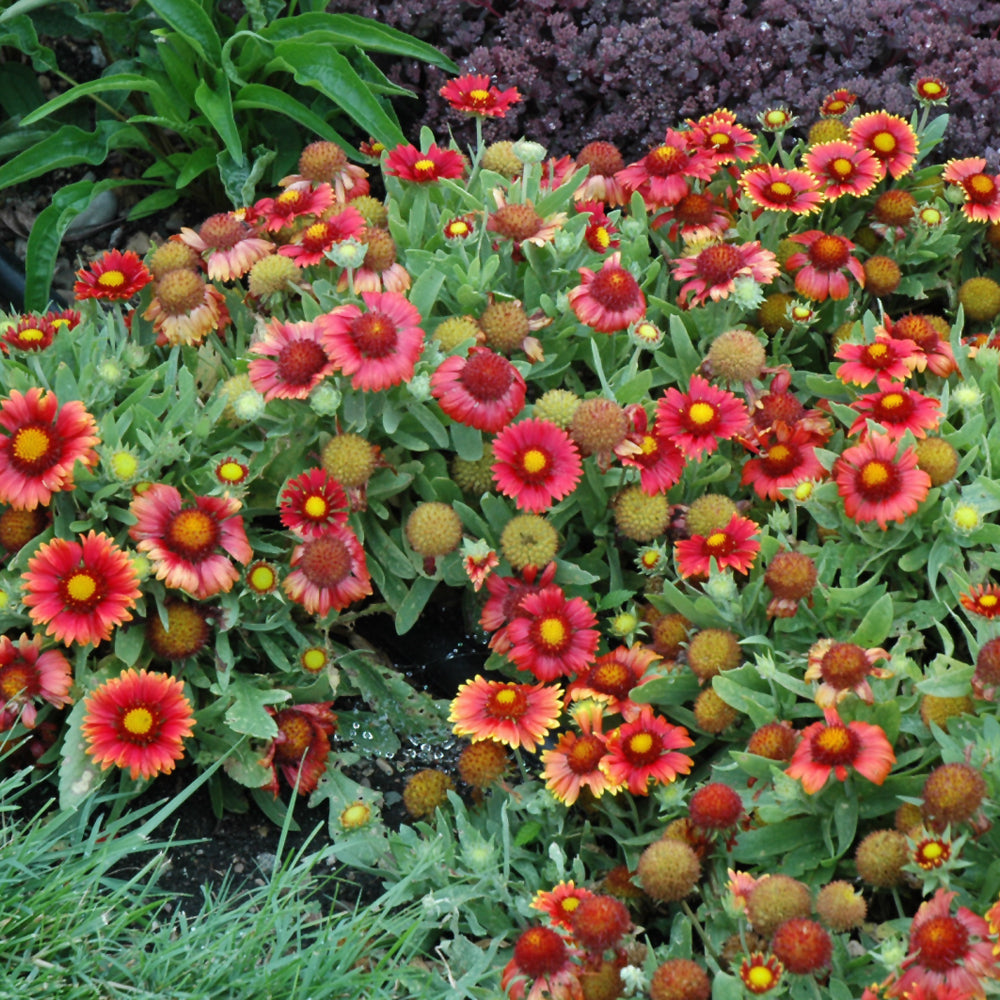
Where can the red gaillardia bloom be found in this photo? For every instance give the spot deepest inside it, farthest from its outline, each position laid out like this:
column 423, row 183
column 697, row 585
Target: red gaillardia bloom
column 30, row 333
column 820, row 266
column 475, row 95
column 503, row 604
column 760, row 973
column 609, row 299
column 514, row 714
column 536, row 463
column 697, row 420
column 600, row 231
column 553, row 636
column 834, row 746
column 312, row 503
column 697, row 213
column 574, row 763
column 290, row 360
column 560, row 902
column 293, row 203
column 542, row 967
column 880, row 483
column 661, row 175
column 733, row 546
column 712, row 273
column 40, row 442
column 183, row 541
column 610, row 679
column 898, row 410
column 378, row 346
column 310, row 245
column 138, row 721
column 947, row 952
column 328, row 572
column 982, row 599
column 884, row 361
column 659, row 461
column 842, row 168
column 837, row 103
column 720, row 136
column 786, row 457
column 782, row 189
column 80, row 590
column 227, row 245
column 646, row 749
column 934, row 350
column 26, row 673
column 843, row 668
column 114, row 276
column 302, row 746
column 185, row 308
column 482, row 390
column 982, row 190
column 410, row 164
column 889, row 137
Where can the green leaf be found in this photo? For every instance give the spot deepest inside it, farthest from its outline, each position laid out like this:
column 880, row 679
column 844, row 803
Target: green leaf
column 876, row 623
column 189, row 18
column 19, row 89
column 415, row 601
column 261, row 96
column 845, row 818
column 79, row 776
column 215, row 103
column 103, row 84
column 247, row 713
column 128, row 644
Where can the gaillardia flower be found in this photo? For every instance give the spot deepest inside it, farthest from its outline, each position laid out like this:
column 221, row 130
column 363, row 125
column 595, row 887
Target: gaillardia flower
column 573, row 764
column 712, row 273
column 482, row 390
column 329, row 572
column 302, row 746
column 410, row 164
column 114, row 277
column 782, row 189
column 183, row 541
column 312, row 503
column 981, row 190
column 697, row 420
column 889, row 138
column 536, row 463
column 733, row 546
column 552, row 636
column 820, row 266
column 26, row 675
column 290, row 360
column 646, row 749
column 842, row 168
column 514, row 714
column 475, row 95
column 138, row 721
column 609, row 299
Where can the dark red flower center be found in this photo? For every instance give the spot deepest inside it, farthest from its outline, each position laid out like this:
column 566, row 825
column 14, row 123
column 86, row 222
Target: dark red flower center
column 603, row 158
column 487, row 376
column 642, row 748
column 585, row 754
column 614, row 288
column 834, row 746
column 844, row 665
column 719, row 264
column 779, row 192
column 666, row 160
column 33, row 449
column 700, row 417
column 695, row 210
column 300, row 361
column 507, row 702
column 780, row 459
column 942, row 943
column 829, row 253
column 893, row 407
column 18, row 680
column 375, row 334
column 325, row 561
column 222, row 231
column 540, row 951
column 515, row 222
column 81, row 591
column 878, row 355
column 611, row 677
column 297, row 736
column 916, row 328
column 877, row 480
column 381, row 252
column 192, row 534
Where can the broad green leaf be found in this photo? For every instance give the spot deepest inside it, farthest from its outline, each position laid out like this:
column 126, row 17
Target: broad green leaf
column 79, row 776
column 190, row 19
column 261, row 96
column 19, row 89
column 215, row 102
column 117, row 81
column 248, row 714
column 413, row 604
column 876, row 623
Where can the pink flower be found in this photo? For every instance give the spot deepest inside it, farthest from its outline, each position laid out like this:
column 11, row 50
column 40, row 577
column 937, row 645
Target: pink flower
column 553, row 636
column 609, row 299
column 820, row 266
column 733, row 546
column 698, row 419
column 482, row 390
column 536, row 463
column 292, row 359
column 712, row 273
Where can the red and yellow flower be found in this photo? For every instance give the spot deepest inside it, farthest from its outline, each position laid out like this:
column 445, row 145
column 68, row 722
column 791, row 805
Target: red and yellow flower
column 476, row 95
column 981, row 190
column 536, row 463
column 698, row 419
column 842, row 168
column 732, row 547
column 782, row 189
column 552, row 635
column 482, row 390
column 646, row 750
column 897, row 410
column 607, row 300
column 329, row 572
column 884, row 361
column 890, row 138
column 574, row 763
column 290, row 360
column 711, row 273
column 114, row 276
column 410, row 164
column 820, row 266
column 27, row 674
column 301, row 747
column 513, row 714
column 843, row 668
column 312, row 503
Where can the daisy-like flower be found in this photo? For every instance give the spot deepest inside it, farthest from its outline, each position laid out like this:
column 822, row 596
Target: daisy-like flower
column 312, row 503
column 40, row 442
column 603, row 161
column 138, row 720
column 661, row 175
column 842, row 168
column 786, row 457
column 782, row 189
column 460, row 228
column 227, row 245
column 328, row 572
column 935, row 353
column 760, row 973
column 542, row 968
column 311, row 245
column 611, row 678
column 574, row 763
column 115, row 276
column 697, row 420
column 884, row 361
column 475, row 95
column 378, row 346
column 843, row 668
column 947, row 952
column 232, row 472
column 293, row 203
column 379, row 270
column 80, row 590
column 262, row 578
column 646, row 749
column 290, row 360
column 931, row 853
column 324, row 162
column 697, row 213
column 482, row 390
column 833, row 746
column 981, row 190
column 302, row 746
column 26, row 675
column 517, row 715
column 733, row 546
column 30, row 333
column 712, row 273
column 838, row 103
column 889, row 137
column 659, row 461
column 560, row 902
column 536, row 463
column 478, row 560
column 820, row 266
column 982, row 599
column 897, row 410
column 553, row 636
column 600, row 231
column 776, row 119
column 185, row 308
column 504, row 603
column 410, row 164
column 880, row 483
column 183, row 541
column 609, row 299
column 929, row 90
column 720, row 136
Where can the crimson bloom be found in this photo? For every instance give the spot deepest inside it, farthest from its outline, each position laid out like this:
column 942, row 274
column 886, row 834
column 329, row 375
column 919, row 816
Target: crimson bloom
column 878, row 482
column 504, row 603
column 833, row 746
column 40, row 442
column 312, row 503
column 30, row 333
column 698, row 419
column 410, row 164
column 646, row 749
column 28, row 674
column 310, row 246
column 820, row 266
column 660, row 176
column 712, row 273
column 80, row 590
column 837, row 103
column 138, row 721
column 720, row 136
column 733, row 546
column 378, row 346
column 513, row 714
column 536, row 463
column 542, row 967
column 611, row 677
column 475, row 95
column 761, row 973
column 328, row 572
column 553, row 636
column 883, row 361
column 560, row 902
column 842, row 168
column 115, row 276
column 290, row 360
column 293, row 203
column 843, row 668
column 934, row 350
column 482, row 390
column 982, row 599
column 609, row 299
column 889, row 137
column 897, row 410
column 659, row 461
column 981, row 190
column 573, row 764
column 183, row 541
column 782, row 189
column 787, row 457
column 302, row 746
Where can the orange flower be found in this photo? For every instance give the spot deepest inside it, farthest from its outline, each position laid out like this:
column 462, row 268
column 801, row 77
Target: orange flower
column 302, row 746
column 114, row 276
column 514, row 714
